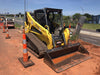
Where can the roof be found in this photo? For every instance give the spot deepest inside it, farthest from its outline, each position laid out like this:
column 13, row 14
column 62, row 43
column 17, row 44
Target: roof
column 50, row 9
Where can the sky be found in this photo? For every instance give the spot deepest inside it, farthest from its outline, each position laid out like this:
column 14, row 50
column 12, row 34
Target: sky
column 69, row 7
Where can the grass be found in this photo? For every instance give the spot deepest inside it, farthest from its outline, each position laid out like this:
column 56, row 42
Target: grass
column 91, row 26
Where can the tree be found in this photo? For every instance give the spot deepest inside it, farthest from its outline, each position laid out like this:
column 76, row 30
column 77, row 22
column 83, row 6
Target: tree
column 66, row 20
column 89, row 16
column 76, row 16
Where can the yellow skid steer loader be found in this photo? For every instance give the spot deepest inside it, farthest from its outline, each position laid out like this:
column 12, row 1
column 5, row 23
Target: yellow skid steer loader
column 48, row 38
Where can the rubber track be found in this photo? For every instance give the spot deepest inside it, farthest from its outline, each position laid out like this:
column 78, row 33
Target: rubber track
column 36, row 44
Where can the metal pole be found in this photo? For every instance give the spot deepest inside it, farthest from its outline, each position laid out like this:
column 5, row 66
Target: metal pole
column 24, row 12
column 24, row 6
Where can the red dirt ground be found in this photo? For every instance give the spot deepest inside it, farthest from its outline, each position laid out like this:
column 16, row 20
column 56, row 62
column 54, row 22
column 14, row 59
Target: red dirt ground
column 11, row 49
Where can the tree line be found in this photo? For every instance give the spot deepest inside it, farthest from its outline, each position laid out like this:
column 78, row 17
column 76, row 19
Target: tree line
column 75, row 18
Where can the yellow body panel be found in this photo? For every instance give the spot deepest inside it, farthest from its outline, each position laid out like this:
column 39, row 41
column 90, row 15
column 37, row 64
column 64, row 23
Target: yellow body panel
column 66, row 34
column 45, row 35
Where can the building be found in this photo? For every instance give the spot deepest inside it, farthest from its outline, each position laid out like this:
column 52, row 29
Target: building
column 96, row 19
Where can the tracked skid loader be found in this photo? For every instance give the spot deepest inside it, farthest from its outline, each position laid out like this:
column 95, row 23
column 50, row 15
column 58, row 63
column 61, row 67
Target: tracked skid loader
column 47, row 37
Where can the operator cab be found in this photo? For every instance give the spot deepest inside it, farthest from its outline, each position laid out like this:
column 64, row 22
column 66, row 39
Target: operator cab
column 49, row 17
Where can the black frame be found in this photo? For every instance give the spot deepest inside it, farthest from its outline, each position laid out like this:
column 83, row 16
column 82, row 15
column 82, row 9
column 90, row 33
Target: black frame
column 50, row 10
